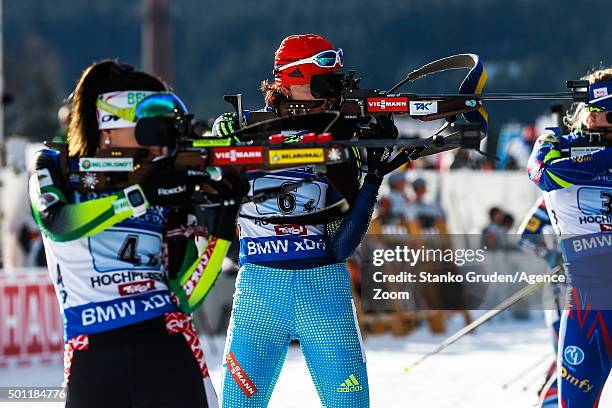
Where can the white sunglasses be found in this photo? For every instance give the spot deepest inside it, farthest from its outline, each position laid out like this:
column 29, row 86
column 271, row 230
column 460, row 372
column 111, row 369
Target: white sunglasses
column 324, row 59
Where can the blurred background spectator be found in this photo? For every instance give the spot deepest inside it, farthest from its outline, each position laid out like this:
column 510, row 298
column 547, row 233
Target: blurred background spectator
column 424, row 217
column 393, row 211
column 493, row 233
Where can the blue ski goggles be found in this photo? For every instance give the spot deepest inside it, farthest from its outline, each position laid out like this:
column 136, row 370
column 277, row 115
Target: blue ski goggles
column 153, row 105
column 160, row 104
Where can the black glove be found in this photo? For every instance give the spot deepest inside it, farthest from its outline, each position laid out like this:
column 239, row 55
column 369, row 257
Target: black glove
column 169, row 187
column 384, row 128
column 379, row 162
column 377, row 159
column 232, row 189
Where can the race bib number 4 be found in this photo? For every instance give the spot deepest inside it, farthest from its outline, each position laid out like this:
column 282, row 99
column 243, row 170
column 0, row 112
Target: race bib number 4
column 118, row 249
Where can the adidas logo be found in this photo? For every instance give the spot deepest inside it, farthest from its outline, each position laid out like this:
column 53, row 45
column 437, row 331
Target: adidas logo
column 296, row 73
column 350, row 385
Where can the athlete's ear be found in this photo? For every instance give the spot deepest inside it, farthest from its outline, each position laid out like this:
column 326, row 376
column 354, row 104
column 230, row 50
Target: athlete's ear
column 589, row 120
column 286, row 91
column 105, row 138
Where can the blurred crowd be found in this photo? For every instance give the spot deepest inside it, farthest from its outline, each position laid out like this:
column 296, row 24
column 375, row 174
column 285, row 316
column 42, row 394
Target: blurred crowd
column 495, row 233
column 515, row 145
column 408, row 214
column 403, row 211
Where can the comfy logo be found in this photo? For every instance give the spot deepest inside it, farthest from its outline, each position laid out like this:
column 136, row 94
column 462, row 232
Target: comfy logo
column 573, row 355
column 584, row 385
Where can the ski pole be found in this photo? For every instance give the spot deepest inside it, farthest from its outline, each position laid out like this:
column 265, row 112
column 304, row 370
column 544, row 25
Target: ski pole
column 525, row 371
column 532, row 381
column 507, row 303
column 210, row 338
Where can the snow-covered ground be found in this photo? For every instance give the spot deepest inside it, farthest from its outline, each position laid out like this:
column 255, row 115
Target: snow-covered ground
column 469, row 374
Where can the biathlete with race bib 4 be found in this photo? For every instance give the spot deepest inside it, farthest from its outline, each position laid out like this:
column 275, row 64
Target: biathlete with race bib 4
column 128, row 340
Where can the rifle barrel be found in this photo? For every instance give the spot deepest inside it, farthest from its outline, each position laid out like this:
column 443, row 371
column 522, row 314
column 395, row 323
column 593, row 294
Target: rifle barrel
column 499, row 96
column 418, row 142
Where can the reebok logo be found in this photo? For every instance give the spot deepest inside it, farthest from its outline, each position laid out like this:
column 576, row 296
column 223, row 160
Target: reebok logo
column 350, row 385
column 296, row 73
column 171, row 191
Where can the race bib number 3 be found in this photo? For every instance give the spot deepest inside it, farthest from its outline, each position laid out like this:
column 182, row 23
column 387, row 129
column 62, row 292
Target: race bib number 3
column 595, row 201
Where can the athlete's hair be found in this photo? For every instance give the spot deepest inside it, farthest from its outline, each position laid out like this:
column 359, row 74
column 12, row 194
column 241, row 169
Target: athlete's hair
column 100, row 77
column 272, row 94
column 577, row 114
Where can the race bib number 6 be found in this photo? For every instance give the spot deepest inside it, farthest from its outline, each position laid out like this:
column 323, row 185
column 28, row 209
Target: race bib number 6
column 302, row 199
